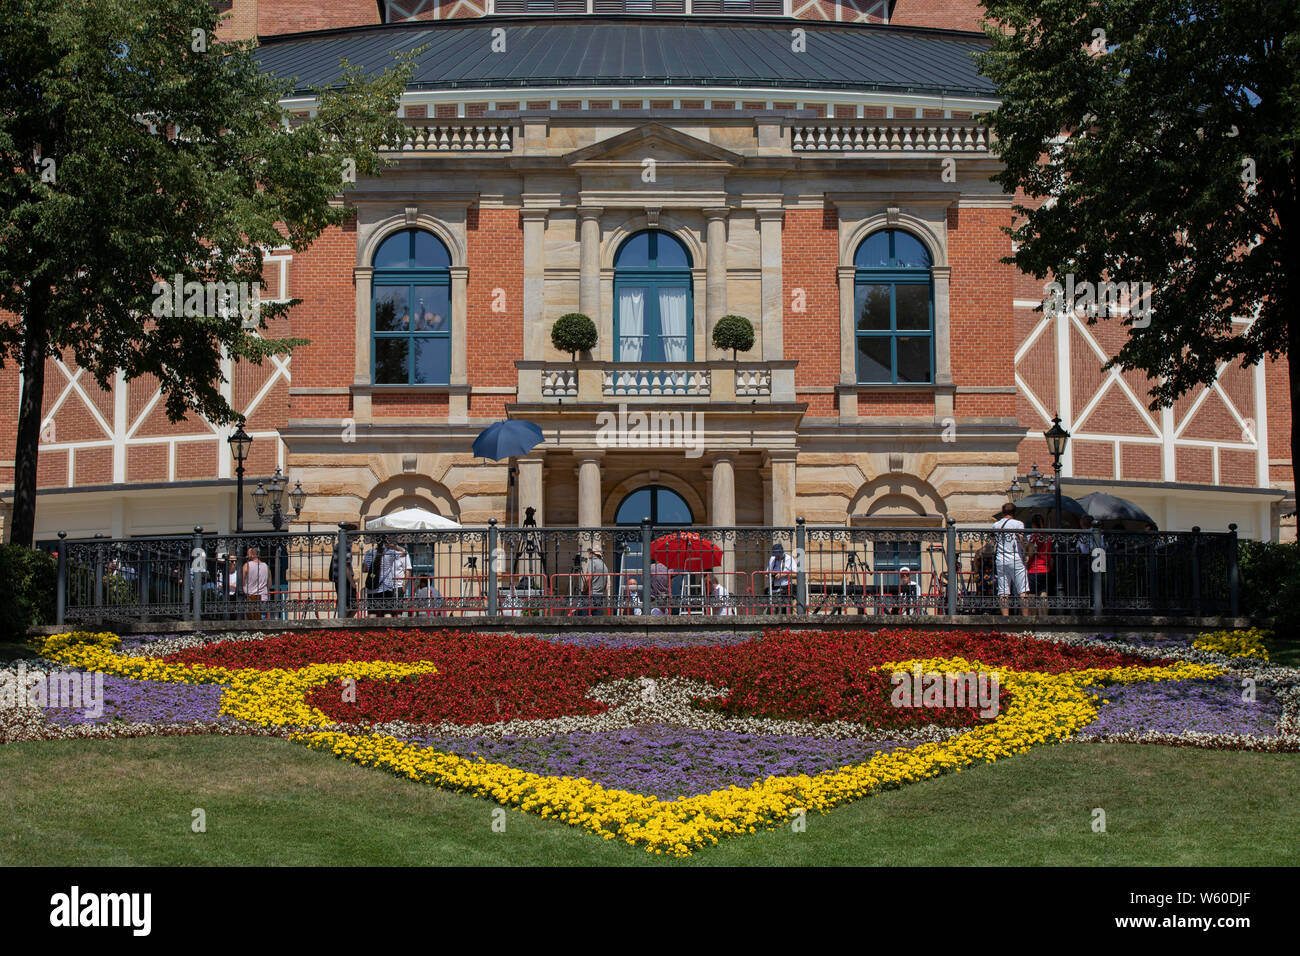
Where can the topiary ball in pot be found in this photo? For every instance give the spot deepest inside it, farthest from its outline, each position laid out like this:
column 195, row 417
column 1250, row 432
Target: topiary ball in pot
column 733, row 332
column 574, row 333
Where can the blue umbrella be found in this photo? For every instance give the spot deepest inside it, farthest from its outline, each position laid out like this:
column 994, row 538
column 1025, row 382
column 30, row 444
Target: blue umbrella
column 508, row 438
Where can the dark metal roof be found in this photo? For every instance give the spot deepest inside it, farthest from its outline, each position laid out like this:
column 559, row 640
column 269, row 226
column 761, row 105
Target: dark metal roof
column 625, row 51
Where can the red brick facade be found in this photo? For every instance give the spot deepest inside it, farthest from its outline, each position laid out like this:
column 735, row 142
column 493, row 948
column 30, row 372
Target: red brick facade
column 809, row 257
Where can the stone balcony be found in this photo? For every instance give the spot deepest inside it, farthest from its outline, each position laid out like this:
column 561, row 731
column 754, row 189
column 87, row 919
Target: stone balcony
column 456, row 136
column 595, row 382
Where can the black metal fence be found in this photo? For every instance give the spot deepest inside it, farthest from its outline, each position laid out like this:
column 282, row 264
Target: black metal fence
column 646, row 570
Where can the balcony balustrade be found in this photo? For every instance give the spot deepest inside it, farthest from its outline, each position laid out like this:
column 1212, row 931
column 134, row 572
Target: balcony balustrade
column 600, row 382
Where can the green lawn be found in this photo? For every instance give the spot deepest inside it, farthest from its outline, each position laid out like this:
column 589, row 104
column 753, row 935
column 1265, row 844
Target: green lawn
column 273, row 802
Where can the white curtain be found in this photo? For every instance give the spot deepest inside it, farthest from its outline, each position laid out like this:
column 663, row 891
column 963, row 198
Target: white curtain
column 674, row 324
column 631, row 324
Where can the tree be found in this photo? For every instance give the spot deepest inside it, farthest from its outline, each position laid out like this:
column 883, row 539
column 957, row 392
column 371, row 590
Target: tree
column 573, row 332
column 733, row 332
column 134, row 149
column 1160, row 138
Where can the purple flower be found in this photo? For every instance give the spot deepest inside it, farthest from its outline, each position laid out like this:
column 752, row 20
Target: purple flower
column 1213, row 706
column 667, row 761
column 147, row 701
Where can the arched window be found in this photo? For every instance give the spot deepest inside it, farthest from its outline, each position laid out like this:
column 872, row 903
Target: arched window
column 652, row 300
column 893, row 308
column 411, row 310
column 661, row 505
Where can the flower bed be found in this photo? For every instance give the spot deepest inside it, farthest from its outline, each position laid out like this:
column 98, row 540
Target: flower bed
column 667, row 744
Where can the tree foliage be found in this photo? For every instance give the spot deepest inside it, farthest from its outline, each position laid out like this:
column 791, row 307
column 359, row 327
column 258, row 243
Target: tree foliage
column 573, row 332
column 1155, row 141
column 133, row 148
column 733, row 332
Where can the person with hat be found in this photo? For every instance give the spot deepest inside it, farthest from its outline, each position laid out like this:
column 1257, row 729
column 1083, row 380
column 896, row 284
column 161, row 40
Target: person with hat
column 909, row 593
column 780, row 572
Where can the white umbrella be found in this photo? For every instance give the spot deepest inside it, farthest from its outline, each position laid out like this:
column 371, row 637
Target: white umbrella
column 411, row 519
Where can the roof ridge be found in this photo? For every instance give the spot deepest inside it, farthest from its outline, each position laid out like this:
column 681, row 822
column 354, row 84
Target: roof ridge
column 685, row 20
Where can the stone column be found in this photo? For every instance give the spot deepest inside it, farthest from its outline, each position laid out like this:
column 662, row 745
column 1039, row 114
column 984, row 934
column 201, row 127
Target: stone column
column 588, row 498
column 943, row 404
column 589, row 263
column 534, row 281
column 362, row 278
column 783, row 487
column 848, row 346
column 724, row 511
column 458, row 400
column 772, row 321
column 532, row 490
column 715, row 276
column 589, row 489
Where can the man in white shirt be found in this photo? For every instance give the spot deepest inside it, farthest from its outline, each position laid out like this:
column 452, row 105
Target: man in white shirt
column 401, row 573
column 1009, row 558
column 780, row 570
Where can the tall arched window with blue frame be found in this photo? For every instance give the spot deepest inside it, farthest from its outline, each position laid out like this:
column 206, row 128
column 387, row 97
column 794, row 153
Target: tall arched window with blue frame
column 893, row 308
column 652, row 299
column 410, row 311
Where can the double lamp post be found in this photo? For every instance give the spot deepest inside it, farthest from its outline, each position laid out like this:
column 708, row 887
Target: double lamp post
column 240, row 442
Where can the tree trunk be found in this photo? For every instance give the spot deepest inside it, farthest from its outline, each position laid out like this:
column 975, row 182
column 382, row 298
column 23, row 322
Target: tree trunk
column 27, row 447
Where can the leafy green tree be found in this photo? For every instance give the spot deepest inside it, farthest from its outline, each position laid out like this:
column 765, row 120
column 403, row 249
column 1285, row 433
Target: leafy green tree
column 1156, row 142
column 134, row 148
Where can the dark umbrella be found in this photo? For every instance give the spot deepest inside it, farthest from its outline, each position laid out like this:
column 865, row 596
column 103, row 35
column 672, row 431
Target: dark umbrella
column 1046, row 504
column 507, row 438
column 1108, row 508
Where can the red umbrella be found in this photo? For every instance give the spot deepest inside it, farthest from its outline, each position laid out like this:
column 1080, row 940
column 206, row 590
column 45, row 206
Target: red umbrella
column 686, row 551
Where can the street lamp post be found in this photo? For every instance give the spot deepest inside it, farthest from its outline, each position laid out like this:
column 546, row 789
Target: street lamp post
column 239, row 444
column 276, row 495
column 1056, row 439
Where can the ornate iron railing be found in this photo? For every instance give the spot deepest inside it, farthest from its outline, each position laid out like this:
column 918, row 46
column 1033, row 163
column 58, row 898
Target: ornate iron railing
column 646, row 570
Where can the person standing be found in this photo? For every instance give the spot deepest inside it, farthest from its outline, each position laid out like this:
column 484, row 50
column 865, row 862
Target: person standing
column 780, row 568
column 349, row 578
column 401, row 574
column 1010, row 560
column 661, row 587
column 227, row 583
column 378, row 565
column 257, row 577
column 1039, row 566
column 596, row 581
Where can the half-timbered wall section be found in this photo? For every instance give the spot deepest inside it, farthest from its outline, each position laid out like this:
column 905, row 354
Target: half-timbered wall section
column 901, row 372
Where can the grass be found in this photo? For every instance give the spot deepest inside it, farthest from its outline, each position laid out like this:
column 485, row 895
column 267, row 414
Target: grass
column 1284, row 651
column 271, row 802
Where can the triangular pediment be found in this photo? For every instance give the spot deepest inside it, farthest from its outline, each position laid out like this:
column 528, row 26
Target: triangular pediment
column 653, row 141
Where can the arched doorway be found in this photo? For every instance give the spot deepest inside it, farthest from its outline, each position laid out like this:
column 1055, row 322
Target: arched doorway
column 666, row 510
